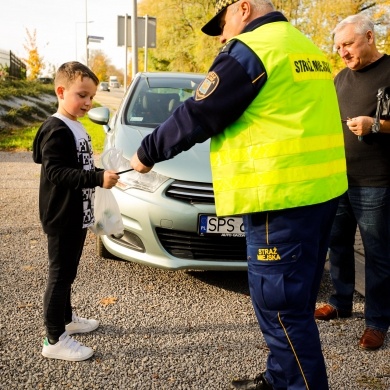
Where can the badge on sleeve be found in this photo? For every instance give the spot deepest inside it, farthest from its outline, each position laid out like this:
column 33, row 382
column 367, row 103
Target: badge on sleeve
column 208, row 86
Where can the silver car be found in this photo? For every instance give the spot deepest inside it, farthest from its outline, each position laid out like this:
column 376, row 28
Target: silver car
column 104, row 86
column 168, row 213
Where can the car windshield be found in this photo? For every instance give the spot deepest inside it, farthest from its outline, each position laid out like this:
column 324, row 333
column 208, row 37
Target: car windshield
column 155, row 98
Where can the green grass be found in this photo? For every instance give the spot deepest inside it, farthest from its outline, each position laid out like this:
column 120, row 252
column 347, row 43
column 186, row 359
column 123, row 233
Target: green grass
column 96, row 133
column 21, row 139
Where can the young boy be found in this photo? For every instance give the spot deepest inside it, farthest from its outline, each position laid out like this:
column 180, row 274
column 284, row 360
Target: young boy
column 66, row 193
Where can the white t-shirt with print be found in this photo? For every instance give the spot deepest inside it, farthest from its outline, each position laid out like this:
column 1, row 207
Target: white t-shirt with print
column 85, row 156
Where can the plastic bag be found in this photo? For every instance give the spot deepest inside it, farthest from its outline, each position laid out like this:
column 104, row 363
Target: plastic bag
column 113, row 159
column 108, row 218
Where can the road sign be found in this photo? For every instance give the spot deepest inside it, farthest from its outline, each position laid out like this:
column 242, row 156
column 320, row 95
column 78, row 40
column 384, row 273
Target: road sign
column 151, row 31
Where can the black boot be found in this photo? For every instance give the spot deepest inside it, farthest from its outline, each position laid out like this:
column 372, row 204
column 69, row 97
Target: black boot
column 258, row 383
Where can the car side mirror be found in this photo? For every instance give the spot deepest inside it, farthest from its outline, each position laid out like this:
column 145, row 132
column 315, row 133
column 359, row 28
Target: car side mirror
column 100, row 116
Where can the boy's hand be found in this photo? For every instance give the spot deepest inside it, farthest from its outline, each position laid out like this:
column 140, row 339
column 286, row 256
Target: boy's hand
column 110, row 179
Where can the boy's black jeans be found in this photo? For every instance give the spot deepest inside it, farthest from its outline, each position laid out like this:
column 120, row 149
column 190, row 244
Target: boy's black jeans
column 64, row 251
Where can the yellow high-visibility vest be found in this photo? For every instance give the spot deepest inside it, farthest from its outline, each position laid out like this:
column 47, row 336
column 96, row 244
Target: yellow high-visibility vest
column 287, row 149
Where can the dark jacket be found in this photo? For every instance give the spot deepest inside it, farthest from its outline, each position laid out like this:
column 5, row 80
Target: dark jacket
column 62, row 177
column 238, row 69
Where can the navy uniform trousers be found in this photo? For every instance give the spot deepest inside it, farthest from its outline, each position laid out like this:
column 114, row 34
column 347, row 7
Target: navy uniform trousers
column 286, row 257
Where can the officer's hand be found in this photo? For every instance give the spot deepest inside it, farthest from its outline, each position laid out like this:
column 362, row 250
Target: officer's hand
column 110, row 179
column 138, row 166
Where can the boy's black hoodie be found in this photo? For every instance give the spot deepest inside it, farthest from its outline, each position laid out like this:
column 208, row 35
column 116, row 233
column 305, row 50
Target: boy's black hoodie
column 62, row 177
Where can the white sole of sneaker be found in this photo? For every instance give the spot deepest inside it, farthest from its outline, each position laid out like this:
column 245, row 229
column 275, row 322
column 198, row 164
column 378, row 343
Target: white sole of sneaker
column 70, row 359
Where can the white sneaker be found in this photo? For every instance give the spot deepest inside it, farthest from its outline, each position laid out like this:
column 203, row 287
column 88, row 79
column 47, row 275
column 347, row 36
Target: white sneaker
column 67, row 348
column 81, row 325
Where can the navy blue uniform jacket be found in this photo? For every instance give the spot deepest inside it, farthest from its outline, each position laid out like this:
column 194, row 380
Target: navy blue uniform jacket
column 239, row 70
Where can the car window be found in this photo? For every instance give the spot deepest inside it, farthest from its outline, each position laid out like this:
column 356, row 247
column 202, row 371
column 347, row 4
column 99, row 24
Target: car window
column 154, row 99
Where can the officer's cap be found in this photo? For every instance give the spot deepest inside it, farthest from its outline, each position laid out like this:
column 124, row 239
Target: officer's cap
column 212, row 27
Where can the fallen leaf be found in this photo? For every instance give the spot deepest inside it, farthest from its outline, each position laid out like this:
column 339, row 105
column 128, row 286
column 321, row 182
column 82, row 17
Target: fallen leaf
column 28, row 267
column 24, row 305
column 108, row 301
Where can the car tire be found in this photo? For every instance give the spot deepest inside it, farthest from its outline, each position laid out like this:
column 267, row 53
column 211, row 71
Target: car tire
column 102, row 251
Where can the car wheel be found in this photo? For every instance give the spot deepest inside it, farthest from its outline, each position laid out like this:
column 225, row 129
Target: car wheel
column 102, row 251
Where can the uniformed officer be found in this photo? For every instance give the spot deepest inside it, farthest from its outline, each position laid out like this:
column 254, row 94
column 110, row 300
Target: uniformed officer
column 269, row 106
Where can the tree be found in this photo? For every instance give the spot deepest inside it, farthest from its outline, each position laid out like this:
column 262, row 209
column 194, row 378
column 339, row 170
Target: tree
column 181, row 46
column 33, row 62
column 99, row 64
column 102, row 67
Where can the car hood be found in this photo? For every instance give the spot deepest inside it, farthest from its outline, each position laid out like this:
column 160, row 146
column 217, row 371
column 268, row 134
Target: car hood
column 192, row 165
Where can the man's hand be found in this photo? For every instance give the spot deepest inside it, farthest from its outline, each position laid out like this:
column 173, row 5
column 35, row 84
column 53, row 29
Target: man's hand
column 138, row 166
column 110, row 179
column 361, row 125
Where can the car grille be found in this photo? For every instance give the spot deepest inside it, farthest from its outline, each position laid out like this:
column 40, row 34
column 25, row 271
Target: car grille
column 191, row 192
column 187, row 245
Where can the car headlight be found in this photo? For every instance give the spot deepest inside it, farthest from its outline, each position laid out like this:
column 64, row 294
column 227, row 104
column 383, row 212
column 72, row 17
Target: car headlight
column 143, row 181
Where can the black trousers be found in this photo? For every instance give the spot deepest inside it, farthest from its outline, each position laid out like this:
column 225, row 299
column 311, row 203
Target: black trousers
column 64, row 256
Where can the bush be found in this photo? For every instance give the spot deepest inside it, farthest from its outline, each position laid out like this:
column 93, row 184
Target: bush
column 14, row 88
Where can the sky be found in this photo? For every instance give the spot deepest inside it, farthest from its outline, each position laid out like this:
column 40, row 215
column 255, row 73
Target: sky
column 60, row 27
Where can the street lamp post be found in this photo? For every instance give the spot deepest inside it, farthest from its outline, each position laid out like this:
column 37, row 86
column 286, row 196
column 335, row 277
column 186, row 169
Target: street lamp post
column 76, row 23
column 86, row 32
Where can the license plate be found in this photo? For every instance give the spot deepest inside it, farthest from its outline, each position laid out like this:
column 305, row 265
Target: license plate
column 223, row 226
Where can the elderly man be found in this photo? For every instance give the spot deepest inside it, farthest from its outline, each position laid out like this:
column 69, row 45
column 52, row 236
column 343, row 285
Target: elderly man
column 270, row 108
column 367, row 202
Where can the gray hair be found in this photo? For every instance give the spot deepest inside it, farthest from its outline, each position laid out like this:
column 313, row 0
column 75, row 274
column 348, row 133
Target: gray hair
column 361, row 22
column 261, row 6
